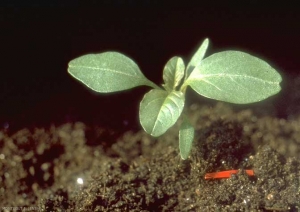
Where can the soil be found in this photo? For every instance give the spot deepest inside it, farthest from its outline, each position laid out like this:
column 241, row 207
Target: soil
column 79, row 167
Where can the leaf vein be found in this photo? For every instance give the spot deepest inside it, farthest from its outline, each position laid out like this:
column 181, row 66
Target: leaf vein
column 237, row 76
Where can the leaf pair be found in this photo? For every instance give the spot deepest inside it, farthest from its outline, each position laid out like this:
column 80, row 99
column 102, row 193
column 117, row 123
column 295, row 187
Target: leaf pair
column 230, row 76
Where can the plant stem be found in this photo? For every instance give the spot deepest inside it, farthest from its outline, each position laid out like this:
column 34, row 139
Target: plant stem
column 153, row 85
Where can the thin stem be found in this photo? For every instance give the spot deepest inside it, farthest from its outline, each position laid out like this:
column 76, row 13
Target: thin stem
column 153, row 85
column 183, row 87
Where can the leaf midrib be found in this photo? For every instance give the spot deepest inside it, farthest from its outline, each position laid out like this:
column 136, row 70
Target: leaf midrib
column 111, row 70
column 203, row 76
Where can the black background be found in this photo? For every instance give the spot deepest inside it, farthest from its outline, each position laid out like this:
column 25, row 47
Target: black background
column 38, row 40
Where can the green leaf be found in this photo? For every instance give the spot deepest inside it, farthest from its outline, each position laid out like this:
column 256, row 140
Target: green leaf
column 235, row 77
column 186, row 137
column 159, row 110
column 197, row 57
column 108, row 72
column 173, row 73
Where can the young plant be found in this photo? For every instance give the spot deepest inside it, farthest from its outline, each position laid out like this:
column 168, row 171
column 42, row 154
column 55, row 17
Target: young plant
column 230, row 76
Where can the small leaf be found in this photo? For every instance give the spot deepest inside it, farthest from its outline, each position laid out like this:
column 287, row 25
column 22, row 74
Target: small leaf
column 235, row 77
column 197, row 57
column 173, row 73
column 186, row 137
column 108, row 72
column 159, row 110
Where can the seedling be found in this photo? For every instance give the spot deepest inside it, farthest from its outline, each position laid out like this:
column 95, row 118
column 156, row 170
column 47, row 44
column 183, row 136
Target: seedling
column 229, row 76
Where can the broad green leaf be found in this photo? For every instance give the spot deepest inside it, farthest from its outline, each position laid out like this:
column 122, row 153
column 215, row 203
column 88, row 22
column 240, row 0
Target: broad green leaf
column 108, row 72
column 197, row 57
column 186, row 137
column 159, row 110
column 236, row 77
column 173, row 73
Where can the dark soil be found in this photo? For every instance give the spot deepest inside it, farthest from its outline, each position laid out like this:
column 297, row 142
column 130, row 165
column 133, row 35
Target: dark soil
column 42, row 167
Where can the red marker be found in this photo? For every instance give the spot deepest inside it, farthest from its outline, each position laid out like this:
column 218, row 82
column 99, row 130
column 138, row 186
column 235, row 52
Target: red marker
column 225, row 174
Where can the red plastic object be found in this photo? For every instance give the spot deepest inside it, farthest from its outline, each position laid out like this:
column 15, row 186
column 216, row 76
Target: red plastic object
column 225, row 174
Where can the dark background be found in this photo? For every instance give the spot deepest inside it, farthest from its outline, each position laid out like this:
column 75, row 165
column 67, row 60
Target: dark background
column 37, row 42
